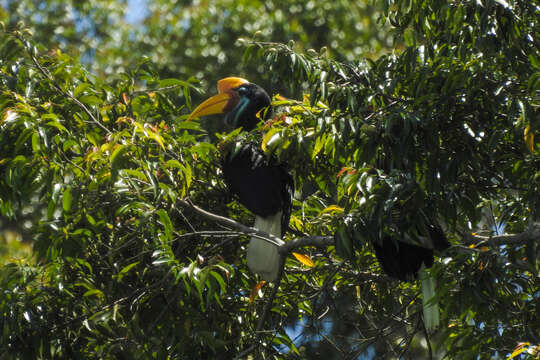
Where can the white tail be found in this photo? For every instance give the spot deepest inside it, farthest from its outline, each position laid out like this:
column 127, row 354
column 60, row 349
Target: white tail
column 263, row 256
column 430, row 307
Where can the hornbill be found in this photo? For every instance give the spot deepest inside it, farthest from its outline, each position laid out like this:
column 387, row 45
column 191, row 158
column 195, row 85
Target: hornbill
column 261, row 184
column 401, row 259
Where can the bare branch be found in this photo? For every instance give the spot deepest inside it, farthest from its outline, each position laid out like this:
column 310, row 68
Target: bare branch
column 284, row 248
column 161, row 89
column 533, row 232
column 317, row 241
column 232, row 224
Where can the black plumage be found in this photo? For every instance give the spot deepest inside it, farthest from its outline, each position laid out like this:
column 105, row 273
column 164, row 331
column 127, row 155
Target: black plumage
column 405, row 261
column 402, row 260
column 259, row 182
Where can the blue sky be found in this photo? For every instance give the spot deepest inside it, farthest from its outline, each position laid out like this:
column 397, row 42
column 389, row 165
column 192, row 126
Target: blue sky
column 137, row 10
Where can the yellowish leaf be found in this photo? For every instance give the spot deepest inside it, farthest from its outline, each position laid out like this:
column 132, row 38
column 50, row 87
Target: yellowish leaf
column 332, row 209
column 256, row 289
column 528, row 136
column 522, row 347
column 9, row 115
column 267, row 137
column 304, row 259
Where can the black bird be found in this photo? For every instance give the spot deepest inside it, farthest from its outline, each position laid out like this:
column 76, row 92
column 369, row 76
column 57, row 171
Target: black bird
column 402, row 259
column 261, row 184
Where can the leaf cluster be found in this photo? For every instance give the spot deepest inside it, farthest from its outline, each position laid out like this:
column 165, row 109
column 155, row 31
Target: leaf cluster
column 95, row 172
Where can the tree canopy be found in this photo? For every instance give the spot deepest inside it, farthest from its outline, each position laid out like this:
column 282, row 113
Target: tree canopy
column 386, row 112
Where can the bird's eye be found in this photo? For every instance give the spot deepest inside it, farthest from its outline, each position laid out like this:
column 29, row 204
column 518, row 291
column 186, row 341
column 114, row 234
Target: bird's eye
column 242, row 90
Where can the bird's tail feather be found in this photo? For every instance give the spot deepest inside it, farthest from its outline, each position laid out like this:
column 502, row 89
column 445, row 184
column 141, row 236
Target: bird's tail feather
column 262, row 256
column 430, row 307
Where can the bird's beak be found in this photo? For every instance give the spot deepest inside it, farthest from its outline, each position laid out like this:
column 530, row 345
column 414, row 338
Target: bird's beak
column 222, row 102
column 214, row 105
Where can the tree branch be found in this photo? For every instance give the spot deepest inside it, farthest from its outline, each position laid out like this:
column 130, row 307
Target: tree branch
column 284, row 247
column 532, row 232
column 232, row 224
column 317, row 241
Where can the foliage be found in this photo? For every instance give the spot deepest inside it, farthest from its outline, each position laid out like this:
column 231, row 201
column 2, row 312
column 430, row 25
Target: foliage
column 101, row 170
column 193, row 38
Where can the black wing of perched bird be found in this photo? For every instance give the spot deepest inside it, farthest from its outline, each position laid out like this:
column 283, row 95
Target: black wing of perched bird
column 405, row 261
column 402, row 260
column 263, row 186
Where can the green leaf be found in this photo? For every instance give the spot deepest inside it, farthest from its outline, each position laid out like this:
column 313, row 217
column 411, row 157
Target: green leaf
column 56, row 124
column 23, row 137
column 36, row 143
column 80, row 88
column 409, row 36
column 319, row 144
column 117, row 155
column 67, row 199
column 174, row 82
column 343, row 243
column 68, row 144
column 221, row 282
column 54, row 200
column 91, row 100
column 268, row 137
column 92, row 292
column 186, row 169
column 125, row 270
column 167, row 223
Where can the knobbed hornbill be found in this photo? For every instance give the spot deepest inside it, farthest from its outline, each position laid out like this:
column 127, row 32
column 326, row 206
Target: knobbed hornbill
column 261, row 184
column 401, row 259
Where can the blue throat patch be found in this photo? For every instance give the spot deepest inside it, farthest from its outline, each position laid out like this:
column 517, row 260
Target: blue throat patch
column 237, row 111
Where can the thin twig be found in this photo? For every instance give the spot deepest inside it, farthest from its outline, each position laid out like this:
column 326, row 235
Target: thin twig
column 232, row 224
column 384, row 108
column 409, row 341
column 185, row 219
column 265, row 313
column 246, row 351
column 268, row 305
column 161, row 89
column 284, row 247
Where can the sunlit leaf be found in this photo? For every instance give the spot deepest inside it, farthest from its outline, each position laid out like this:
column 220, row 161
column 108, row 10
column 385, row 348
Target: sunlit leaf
column 528, row 137
column 255, row 290
column 125, row 270
column 521, row 348
column 166, row 222
column 304, row 259
column 332, row 209
column 67, row 199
